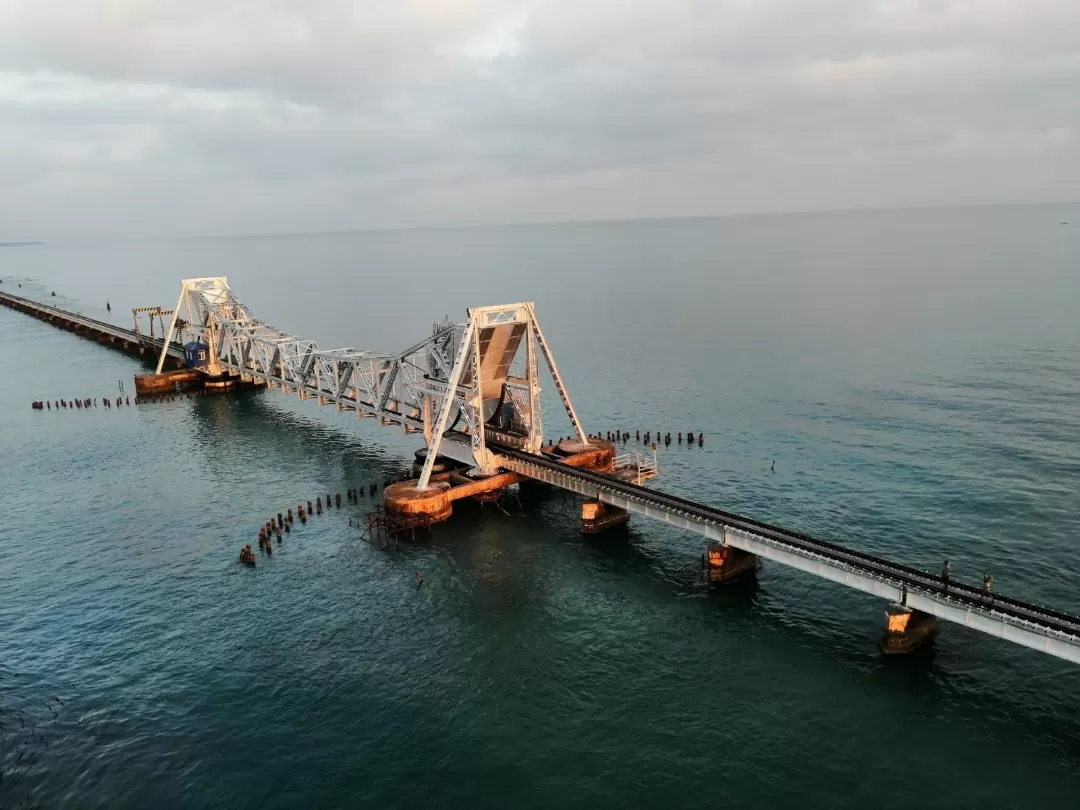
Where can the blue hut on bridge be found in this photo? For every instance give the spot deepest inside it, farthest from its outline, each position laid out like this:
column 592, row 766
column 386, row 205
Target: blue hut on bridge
column 196, row 355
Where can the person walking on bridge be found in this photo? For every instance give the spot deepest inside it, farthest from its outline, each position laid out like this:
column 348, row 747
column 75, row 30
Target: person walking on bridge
column 987, row 582
column 946, row 573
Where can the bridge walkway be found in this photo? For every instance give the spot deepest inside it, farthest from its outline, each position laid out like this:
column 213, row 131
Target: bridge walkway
column 124, row 339
column 1041, row 628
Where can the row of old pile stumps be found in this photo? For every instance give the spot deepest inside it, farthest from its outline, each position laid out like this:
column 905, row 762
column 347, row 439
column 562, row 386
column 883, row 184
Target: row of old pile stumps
column 281, row 524
column 108, row 402
column 649, row 438
column 112, row 402
column 89, row 402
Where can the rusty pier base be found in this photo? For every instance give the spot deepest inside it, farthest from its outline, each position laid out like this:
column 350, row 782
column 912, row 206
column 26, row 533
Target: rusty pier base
column 906, row 630
column 434, row 504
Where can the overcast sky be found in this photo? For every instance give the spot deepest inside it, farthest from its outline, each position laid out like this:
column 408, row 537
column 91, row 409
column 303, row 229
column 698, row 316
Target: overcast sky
column 144, row 117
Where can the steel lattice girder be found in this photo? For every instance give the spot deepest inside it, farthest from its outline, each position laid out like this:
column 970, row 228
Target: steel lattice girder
column 453, row 371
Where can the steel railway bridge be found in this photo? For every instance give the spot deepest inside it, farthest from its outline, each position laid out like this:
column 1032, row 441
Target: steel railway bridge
column 473, row 390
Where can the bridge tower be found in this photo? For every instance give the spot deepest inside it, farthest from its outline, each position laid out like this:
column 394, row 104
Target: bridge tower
column 494, row 385
column 200, row 297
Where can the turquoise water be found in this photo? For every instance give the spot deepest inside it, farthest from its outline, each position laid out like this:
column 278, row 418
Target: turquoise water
column 914, row 374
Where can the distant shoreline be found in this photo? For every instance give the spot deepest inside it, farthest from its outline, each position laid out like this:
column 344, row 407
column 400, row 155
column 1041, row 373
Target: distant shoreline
column 19, row 244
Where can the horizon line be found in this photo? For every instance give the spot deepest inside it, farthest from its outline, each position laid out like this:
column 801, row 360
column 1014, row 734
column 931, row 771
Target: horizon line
column 541, row 223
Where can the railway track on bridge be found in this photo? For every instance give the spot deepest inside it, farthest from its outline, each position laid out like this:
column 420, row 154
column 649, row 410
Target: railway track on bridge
column 125, row 340
column 1058, row 631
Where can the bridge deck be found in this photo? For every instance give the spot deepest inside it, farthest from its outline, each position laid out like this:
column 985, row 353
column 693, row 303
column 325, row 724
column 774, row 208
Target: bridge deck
column 1033, row 626
column 100, row 329
column 1041, row 628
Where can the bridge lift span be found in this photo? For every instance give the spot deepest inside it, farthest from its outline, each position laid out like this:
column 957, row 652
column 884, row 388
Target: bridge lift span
column 467, row 386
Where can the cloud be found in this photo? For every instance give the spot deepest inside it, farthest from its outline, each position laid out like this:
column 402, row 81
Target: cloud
column 161, row 116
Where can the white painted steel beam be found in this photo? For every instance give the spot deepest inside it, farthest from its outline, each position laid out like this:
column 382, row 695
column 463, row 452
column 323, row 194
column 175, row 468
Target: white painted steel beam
column 984, row 619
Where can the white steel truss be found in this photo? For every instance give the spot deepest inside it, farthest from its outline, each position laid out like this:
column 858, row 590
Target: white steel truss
column 463, row 386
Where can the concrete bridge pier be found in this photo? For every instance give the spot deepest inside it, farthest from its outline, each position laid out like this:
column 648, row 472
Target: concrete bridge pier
column 725, row 564
column 597, row 516
column 414, row 507
column 906, row 630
